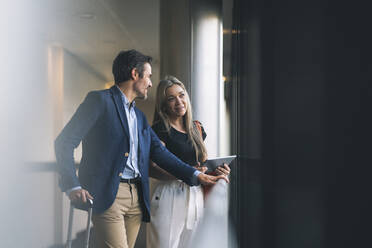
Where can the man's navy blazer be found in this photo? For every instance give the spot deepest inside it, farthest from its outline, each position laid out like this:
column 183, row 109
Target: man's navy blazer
column 100, row 123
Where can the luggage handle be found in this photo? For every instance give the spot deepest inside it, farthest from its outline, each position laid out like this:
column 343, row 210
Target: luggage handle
column 87, row 206
column 82, row 205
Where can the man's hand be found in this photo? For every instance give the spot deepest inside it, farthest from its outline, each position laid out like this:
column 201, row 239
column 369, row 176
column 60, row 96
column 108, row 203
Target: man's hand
column 223, row 170
column 210, row 180
column 80, row 195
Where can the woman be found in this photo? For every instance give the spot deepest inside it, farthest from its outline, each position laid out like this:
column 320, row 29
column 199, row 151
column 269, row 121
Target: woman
column 176, row 208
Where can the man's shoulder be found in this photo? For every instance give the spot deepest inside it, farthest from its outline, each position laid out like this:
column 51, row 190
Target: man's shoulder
column 100, row 92
column 141, row 116
column 139, row 112
column 98, row 95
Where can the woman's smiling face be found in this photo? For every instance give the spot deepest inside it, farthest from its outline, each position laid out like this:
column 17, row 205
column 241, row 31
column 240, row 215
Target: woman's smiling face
column 176, row 101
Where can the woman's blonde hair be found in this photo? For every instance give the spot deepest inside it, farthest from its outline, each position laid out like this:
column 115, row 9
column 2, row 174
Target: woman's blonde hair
column 161, row 114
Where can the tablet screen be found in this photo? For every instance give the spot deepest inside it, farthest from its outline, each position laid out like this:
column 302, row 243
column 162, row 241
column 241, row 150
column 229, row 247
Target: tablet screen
column 213, row 163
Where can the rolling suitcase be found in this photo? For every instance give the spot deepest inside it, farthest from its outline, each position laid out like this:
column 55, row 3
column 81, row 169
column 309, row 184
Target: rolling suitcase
column 88, row 206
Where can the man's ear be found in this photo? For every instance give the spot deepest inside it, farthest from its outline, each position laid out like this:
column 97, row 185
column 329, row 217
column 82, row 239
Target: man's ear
column 134, row 74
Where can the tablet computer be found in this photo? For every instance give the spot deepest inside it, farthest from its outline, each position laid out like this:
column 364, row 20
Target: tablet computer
column 213, row 163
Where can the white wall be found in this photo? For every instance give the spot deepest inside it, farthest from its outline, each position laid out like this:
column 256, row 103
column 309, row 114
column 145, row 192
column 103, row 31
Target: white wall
column 26, row 209
column 78, row 80
column 33, row 108
column 34, row 212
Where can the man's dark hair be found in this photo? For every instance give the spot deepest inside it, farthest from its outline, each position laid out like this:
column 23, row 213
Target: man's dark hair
column 125, row 62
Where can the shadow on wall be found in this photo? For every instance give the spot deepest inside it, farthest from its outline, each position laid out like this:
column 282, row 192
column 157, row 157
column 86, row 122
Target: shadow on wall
column 78, row 242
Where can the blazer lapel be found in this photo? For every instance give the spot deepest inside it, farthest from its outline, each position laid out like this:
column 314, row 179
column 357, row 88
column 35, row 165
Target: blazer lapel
column 140, row 136
column 116, row 94
column 139, row 121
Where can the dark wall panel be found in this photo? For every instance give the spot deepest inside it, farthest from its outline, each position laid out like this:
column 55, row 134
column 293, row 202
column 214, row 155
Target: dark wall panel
column 302, row 80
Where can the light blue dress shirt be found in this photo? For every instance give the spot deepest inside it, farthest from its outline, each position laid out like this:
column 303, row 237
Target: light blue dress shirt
column 131, row 169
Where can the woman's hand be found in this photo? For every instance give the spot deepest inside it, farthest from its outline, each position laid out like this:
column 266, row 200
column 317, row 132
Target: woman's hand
column 202, row 169
column 223, row 170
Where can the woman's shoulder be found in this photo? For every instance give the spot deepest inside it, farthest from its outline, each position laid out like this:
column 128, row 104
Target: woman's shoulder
column 159, row 125
column 200, row 127
column 160, row 130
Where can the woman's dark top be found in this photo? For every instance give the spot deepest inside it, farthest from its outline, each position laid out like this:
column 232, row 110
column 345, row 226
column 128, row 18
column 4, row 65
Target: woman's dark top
column 177, row 142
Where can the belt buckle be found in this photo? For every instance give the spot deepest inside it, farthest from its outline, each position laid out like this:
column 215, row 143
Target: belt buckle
column 133, row 180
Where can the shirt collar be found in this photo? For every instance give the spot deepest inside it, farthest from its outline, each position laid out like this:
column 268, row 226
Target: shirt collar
column 125, row 99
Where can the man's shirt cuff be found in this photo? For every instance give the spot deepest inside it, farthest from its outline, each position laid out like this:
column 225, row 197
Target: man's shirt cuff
column 194, row 179
column 70, row 190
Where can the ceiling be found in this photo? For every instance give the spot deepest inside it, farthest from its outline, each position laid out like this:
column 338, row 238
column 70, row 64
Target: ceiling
column 96, row 30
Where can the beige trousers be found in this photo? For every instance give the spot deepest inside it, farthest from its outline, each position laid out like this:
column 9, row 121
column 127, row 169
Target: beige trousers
column 118, row 226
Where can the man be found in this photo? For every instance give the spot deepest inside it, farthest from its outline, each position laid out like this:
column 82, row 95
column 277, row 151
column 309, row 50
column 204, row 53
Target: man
column 117, row 145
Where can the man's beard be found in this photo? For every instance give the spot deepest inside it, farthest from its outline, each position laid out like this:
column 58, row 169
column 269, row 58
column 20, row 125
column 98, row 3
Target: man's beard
column 140, row 95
